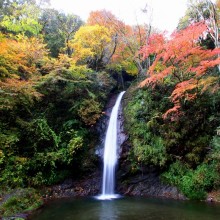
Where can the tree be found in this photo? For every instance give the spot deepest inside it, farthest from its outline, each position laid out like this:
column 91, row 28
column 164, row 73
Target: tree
column 53, row 36
column 184, row 64
column 20, row 17
column 204, row 11
column 131, row 41
column 21, row 53
column 128, row 40
column 19, row 60
column 59, row 29
column 92, row 46
column 108, row 20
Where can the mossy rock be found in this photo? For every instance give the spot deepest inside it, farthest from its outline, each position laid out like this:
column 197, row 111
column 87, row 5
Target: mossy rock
column 19, row 201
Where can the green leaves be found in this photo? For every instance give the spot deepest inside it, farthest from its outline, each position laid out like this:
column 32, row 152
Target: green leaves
column 20, row 200
column 59, row 29
column 90, row 111
column 24, row 19
column 142, row 122
column 193, row 183
column 183, row 150
column 152, row 153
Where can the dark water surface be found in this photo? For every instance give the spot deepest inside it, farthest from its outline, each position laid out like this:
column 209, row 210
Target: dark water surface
column 127, row 209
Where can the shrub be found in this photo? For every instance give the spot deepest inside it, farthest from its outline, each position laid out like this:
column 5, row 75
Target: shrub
column 192, row 183
column 20, row 200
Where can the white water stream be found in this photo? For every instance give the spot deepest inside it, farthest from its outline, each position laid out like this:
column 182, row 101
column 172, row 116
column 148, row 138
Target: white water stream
column 110, row 154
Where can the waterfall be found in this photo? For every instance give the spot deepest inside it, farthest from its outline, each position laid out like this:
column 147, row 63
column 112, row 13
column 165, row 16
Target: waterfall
column 110, row 154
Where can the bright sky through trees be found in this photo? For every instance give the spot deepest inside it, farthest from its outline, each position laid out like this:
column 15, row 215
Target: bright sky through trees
column 165, row 14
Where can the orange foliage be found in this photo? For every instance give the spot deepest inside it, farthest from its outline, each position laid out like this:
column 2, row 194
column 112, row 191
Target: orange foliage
column 182, row 88
column 19, row 57
column 106, row 19
column 127, row 40
column 14, row 89
column 21, row 54
column 183, row 62
column 154, row 45
column 19, row 86
column 173, row 113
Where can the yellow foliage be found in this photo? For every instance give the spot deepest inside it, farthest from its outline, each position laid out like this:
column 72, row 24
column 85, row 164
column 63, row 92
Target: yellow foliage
column 21, row 53
column 90, row 111
column 129, row 67
column 19, row 57
column 90, row 42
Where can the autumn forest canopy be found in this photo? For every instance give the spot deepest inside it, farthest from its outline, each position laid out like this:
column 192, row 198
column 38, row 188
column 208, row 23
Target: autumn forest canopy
column 58, row 71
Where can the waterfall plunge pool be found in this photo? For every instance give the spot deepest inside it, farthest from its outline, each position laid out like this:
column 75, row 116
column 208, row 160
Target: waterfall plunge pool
column 127, row 208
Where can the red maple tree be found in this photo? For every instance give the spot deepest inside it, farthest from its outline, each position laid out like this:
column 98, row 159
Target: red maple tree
column 182, row 61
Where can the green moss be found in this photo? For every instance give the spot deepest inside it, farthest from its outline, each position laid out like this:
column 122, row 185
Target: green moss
column 19, row 201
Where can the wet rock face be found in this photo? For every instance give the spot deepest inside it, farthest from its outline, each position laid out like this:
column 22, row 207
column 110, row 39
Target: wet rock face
column 102, row 125
column 90, row 185
column 148, row 184
column 121, row 135
column 145, row 182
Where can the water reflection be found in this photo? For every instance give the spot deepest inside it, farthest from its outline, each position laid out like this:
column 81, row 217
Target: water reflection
column 128, row 209
column 108, row 211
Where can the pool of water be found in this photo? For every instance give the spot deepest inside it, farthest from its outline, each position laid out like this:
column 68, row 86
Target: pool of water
column 127, row 208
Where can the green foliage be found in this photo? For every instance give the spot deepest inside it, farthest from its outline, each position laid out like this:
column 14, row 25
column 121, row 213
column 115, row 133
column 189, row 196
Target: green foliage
column 42, row 135
column 22, row 19
column 90, row 111
column 59, row 29
column 2, row 156
column 195, row 183
column 152, row 153
column 142, row 122
column 14, row 173
column 20, row 200
column 215, row 152
column 214, row 155
column 8, row 139
column 42, row 141
column 179, row 148
column 3, row 72
column 192, row 183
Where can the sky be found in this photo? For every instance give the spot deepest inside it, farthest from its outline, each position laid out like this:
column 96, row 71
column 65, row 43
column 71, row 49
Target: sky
column 163, row 14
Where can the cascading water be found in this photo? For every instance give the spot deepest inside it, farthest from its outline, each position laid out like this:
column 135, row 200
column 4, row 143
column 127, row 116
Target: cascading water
column 110, row 154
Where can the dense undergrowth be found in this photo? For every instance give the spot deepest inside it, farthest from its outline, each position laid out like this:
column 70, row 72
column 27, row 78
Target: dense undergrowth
column 185, row 150
column 49, row 139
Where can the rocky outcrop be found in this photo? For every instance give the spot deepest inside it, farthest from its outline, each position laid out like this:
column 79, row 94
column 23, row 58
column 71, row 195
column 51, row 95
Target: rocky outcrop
column 89, row 185
column 147, row 184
